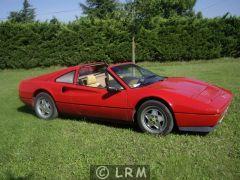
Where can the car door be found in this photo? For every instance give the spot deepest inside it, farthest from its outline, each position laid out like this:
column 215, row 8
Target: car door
column 112, row 104
column 62, row 98
column 96, row 101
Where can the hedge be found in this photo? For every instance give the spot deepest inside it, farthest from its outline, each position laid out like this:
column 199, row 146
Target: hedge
column 44, row 44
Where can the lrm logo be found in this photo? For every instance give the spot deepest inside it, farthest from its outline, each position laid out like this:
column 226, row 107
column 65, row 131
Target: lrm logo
column 103, row 172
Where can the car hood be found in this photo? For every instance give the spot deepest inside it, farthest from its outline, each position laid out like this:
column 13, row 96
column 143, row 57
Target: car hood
column 187, row 87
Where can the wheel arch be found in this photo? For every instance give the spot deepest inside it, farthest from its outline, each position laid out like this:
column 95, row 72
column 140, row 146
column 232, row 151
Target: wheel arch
column 140, row 102
column 36, row 92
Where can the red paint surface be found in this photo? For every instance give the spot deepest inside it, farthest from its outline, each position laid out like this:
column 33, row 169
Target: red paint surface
column 193, row 102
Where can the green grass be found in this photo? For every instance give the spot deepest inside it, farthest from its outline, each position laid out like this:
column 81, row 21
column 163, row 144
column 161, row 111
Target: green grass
column 65, row 148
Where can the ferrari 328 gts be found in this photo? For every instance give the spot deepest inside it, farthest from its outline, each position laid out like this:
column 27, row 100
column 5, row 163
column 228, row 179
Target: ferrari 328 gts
column 127, row 92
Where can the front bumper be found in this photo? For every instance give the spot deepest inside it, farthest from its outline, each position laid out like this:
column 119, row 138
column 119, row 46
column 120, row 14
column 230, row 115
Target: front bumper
column 206, row 128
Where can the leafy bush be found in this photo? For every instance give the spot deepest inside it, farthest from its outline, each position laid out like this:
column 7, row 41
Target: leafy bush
column 44, row 44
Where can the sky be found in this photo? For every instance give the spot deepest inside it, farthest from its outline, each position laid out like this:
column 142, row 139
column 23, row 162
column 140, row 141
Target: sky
column 68, row 10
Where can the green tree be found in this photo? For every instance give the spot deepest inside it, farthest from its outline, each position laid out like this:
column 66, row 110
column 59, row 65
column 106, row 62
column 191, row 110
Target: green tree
column 145, row 10
column 26, row 14
column 142, row 12
column 99, row 8
column 15, row 16
column 54, row 20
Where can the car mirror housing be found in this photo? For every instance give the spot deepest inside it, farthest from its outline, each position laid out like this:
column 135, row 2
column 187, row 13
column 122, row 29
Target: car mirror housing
column 113, row 89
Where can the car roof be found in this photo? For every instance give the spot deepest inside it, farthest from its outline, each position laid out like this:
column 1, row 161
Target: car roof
column 102, row 63
column 92, row 64
column 119, row 64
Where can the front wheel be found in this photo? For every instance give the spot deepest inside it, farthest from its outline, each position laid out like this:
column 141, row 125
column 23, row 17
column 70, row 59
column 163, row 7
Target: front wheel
column 45, row 107
column 155, row 118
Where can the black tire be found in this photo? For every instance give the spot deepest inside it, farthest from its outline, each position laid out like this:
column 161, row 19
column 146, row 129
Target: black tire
column 160, row 116
column 49, row 106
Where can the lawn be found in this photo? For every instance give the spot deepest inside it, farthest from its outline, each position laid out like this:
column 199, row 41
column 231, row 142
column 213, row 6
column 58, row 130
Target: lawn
column 65, row 148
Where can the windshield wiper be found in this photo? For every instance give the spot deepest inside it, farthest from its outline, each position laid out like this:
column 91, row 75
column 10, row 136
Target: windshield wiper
column 143, row 81
column 154, row 75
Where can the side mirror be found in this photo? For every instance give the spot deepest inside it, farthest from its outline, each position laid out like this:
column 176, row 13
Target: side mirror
column 111, row 88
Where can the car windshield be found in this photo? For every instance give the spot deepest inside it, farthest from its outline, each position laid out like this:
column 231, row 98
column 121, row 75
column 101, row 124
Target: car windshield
column 136, row 76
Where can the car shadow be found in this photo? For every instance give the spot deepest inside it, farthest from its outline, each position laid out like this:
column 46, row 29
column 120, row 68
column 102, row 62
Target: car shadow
column 107, row 122
column 100, row 121
column 26, row 110
column 189, row 133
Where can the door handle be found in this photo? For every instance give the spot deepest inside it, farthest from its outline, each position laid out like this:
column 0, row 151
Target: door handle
column 64, row 89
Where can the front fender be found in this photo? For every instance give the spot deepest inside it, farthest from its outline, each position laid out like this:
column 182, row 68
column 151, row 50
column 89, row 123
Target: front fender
column 178, row 103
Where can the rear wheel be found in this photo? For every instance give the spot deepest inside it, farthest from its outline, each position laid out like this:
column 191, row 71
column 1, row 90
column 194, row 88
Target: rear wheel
column 45, row 107
column 155, row 118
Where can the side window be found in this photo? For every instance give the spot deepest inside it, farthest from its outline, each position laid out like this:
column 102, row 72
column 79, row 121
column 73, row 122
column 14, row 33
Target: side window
column 92, row 76
column 66, row 78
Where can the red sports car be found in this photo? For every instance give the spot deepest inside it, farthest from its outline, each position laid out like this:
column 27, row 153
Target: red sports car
column 127, row 92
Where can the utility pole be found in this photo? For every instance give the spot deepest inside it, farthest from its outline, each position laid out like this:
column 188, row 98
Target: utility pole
column 133, row 34
column 133, row 50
